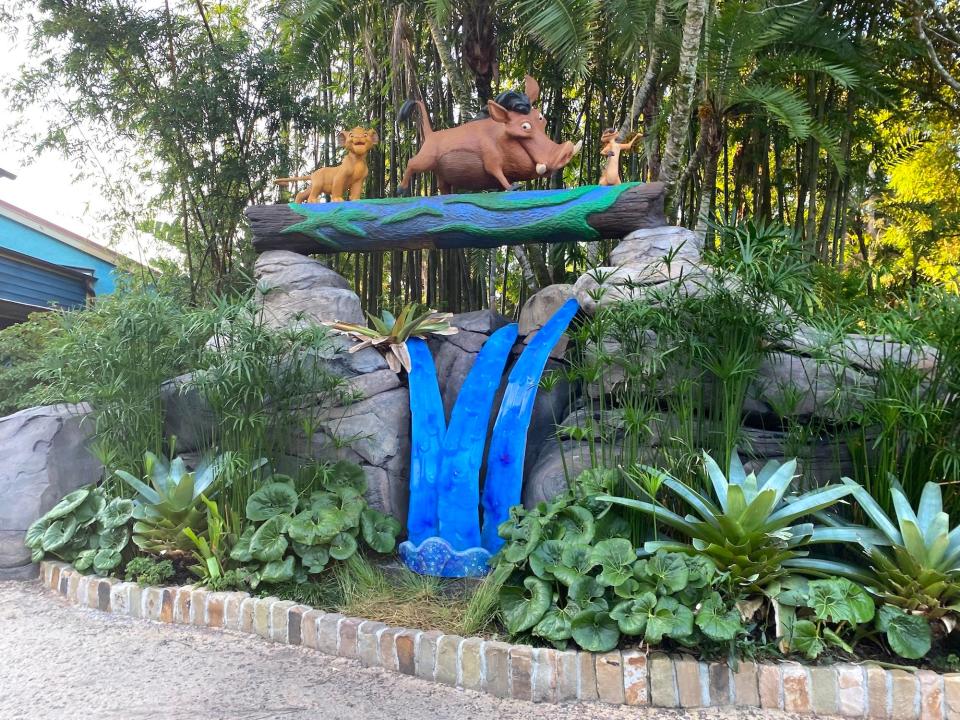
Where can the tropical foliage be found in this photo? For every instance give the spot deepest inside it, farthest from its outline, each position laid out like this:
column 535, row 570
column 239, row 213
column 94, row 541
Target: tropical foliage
column 292, row 534
column 390, row 333
column 835, row 119
column 578, row 578
column 169, row 503
column 749, row 527
column 86, row 527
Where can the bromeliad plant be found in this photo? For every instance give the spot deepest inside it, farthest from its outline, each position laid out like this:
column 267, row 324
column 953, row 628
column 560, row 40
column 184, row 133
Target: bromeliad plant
column 293, row 536
column 389, row 334
column 573, row 574
column 85, row 528
column 915, row 564
column 750, row 529
column 170, row 503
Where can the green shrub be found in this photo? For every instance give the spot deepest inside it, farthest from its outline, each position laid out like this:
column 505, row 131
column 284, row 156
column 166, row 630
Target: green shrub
column 262, row 386
column 115, row 355
column 574, row 575
column 21, row 348
column 294, row 535
column 146, row 570
column 86, row 527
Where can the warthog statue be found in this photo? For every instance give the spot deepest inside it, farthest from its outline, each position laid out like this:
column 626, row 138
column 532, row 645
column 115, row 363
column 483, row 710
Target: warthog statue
column 506, row 145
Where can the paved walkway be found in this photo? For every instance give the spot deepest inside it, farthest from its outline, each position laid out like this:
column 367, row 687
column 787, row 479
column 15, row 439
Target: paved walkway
column 61, row 662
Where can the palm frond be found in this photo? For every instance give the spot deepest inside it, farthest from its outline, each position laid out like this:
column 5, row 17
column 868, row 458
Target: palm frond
column 782, row 104
column 564, row 28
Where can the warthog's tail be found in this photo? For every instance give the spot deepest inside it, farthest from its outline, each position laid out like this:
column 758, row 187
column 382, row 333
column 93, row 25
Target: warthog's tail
column 406, row 110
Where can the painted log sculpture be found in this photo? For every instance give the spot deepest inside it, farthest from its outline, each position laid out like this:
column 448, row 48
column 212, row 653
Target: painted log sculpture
column 481, row 220
column 445, row 537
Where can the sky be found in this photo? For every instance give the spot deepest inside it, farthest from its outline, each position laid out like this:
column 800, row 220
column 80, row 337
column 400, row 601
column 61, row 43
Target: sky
column 46, row 185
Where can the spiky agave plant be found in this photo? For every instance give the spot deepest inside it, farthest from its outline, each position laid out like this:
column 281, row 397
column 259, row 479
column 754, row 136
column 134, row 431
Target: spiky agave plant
column 749, row 530
column 390, row 333
column 915, row 557
column 170, row 503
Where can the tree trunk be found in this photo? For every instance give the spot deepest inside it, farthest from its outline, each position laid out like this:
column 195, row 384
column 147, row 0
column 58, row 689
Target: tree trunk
column 457, row 84
column 648, row 83
column 480, row 220
column 686, row 82
column 707, row 193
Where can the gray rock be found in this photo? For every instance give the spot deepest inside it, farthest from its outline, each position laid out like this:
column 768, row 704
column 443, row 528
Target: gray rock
column 645, row 248
column 609, row 285
column 480, row 321
column 343, row 363
column 541, row 306
column 802, row 387
column 869, row 353
column 375, row 428
column 296, row 289
column 283, row 309
column 819, row 460
column 186, row 414
column 366, row 386
column 466, row 340
column 45, row 456
column 387, row 495
column 375, row 433
column 557, row 461
column 285, row 271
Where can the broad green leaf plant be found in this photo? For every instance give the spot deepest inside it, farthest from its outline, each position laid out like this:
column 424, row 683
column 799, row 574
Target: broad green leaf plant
column 575, row 576
column 85, row 528
column 290, row 536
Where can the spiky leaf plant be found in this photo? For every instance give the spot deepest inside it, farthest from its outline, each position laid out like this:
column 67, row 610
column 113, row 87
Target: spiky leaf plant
column 750, row 529
column 170, row 503
column 915, row 556
column 390, row 333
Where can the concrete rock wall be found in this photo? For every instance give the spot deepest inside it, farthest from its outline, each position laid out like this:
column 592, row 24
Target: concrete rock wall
column 44, row 455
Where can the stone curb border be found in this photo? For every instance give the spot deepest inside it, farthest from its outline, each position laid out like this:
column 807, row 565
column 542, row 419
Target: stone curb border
column 522, row 672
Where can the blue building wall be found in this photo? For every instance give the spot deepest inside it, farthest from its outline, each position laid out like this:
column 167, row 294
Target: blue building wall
column 23, row 282
column 28, row 241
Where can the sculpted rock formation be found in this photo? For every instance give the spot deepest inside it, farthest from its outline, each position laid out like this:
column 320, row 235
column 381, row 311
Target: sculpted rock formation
column 44, row 456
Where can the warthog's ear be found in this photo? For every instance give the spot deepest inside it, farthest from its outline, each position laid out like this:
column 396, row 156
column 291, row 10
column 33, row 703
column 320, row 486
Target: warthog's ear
column 532, row 88
column 374, row 137
column 342, row 138
column 497, row 112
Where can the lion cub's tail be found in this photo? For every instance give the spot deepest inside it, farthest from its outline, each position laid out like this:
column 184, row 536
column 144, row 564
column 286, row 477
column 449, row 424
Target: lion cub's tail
column 287, row 181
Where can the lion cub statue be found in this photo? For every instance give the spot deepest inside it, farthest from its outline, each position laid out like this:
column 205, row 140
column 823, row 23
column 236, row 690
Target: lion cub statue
column 347, row 176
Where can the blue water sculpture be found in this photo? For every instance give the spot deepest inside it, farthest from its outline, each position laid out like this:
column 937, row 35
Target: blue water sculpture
column 508, row 446
column 429, row 428
column 462, row 454
column 445, row 537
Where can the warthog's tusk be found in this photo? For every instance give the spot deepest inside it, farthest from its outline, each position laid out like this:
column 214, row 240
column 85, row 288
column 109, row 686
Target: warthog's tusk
column 541, row 169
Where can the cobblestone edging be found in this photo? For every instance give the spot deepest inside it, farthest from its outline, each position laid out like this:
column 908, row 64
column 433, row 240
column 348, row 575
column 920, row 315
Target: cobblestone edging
column 525, row 673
